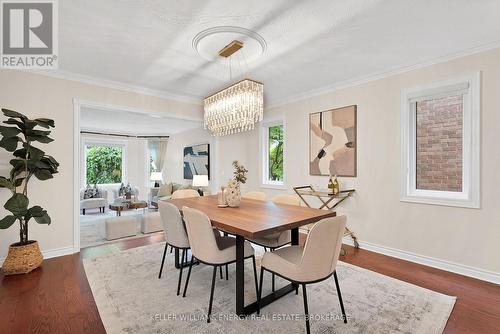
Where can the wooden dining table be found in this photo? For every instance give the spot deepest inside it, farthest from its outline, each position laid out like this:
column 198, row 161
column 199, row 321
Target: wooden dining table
column 254, row 219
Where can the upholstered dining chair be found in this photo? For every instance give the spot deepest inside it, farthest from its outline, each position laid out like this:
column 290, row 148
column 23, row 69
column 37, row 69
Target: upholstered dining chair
column 311, row 263
column 175, row 234
column 257, row 195
column 208, row 249
column 280, row 239
column 184, row 193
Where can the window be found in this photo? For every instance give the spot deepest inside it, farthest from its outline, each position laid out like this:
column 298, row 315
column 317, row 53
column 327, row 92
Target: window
column 103, row 164
column 440, row 143
column 273, row 147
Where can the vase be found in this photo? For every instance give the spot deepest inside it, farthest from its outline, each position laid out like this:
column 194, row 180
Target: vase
column 233, row 196
column 21, row 259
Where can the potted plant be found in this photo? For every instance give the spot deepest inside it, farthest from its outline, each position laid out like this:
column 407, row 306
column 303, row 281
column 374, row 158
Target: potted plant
column 28, row 161
column 233, row 192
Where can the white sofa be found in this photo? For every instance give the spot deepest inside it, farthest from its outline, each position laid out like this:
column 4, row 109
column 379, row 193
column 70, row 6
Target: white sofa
column 94, row 203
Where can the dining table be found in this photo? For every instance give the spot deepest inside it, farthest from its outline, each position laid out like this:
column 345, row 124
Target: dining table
column 253, row 219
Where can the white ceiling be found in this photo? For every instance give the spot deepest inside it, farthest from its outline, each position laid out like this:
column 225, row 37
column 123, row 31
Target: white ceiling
column 310, row 44
column 132, row 123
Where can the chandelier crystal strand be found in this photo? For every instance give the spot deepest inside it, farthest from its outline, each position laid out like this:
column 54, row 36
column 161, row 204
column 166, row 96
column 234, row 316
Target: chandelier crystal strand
column 234, row 109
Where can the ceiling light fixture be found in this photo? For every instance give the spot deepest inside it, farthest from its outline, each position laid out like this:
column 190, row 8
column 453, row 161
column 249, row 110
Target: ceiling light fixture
column 236, row 108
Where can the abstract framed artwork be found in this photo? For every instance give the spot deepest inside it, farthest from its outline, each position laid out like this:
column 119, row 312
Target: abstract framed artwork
column 332, row 142
column 196, row 161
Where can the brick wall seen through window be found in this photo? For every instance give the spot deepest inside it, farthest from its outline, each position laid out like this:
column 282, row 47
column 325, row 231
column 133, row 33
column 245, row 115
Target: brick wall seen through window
column 439, row 143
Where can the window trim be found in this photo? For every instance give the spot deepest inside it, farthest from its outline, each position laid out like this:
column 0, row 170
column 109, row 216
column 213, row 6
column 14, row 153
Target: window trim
column 264, row 144
column 470, row 195
column 103, row 142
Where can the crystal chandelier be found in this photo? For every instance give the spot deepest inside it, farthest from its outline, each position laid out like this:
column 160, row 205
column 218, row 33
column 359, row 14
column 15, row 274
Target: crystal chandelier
column 235, row 109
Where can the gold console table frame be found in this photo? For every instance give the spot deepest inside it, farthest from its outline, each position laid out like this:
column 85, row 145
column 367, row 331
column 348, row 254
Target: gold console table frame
column 329, row 202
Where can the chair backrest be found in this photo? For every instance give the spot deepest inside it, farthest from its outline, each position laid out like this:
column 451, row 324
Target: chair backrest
column 173, row 226
column 257, row 195
column 201, row 236
column 286, row 199
column 184, row 193
column 322, row 248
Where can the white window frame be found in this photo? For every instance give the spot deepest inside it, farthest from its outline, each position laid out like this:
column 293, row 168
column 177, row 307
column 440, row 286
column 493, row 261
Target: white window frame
column 123, row 144
column 469, row 85
column 264, row 146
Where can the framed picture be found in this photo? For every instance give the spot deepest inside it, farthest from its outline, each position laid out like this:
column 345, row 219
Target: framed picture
column 196, row 161
column 332, row 142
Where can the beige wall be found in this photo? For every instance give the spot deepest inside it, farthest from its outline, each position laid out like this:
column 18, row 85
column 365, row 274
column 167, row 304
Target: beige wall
column 468, row 237
column 41, row 96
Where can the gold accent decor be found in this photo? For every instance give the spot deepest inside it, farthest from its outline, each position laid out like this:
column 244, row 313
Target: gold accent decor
column 231, row 48
column 22, row 259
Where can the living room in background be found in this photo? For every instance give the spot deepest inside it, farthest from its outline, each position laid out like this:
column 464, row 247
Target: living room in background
column 440, row 143
column 273, row 154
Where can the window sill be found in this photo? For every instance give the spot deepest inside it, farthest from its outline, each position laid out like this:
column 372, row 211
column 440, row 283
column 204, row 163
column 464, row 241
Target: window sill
column 471, row 204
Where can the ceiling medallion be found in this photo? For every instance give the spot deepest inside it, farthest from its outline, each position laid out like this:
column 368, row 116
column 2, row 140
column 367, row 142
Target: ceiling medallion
column 240, row 106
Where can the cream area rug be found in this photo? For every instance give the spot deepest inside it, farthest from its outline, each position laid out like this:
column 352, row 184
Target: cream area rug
column 131, row 299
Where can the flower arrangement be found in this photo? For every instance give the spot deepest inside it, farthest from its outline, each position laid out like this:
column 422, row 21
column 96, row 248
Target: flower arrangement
column 240, row 173
column 232, row 192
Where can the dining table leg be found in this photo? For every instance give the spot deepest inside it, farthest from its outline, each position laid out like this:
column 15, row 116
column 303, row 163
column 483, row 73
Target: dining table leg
column 240, row 275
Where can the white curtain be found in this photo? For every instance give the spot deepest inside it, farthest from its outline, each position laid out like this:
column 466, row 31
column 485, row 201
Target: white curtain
column 159, row 147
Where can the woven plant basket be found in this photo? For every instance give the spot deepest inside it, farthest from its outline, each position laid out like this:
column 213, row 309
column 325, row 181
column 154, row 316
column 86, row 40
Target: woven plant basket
column 22, row 259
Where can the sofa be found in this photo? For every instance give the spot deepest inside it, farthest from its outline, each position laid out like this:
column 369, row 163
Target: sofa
column 166, row 190
column 100, row 202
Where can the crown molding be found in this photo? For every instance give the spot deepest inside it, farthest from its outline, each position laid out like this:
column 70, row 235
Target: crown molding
column 381, row 75
column 65, row 75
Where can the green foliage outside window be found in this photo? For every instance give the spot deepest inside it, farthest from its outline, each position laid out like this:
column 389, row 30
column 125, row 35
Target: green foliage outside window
column 276, row 153
column 104, row 164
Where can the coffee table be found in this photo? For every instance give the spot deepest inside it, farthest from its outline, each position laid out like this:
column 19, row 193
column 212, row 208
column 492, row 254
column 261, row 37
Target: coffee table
column 122, row 206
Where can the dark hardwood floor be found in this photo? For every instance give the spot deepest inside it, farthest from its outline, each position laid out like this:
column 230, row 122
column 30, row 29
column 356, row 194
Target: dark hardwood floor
column 56, row 298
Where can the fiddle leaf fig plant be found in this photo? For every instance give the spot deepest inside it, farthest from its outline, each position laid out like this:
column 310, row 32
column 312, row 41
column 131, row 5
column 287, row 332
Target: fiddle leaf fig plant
column 19, row 137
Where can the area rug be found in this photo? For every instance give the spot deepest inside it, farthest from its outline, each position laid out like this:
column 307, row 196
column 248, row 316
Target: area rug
column 131, row 299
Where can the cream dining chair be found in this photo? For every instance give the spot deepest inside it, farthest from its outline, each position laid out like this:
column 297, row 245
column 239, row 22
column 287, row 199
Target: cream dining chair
column 208, row 249
column 311, row 263
column 175, row 234
column 257, row 195
column 280, row 239
column 184, row 193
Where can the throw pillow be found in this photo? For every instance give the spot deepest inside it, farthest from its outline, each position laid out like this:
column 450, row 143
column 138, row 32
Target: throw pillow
column 88, row 193
column 165, row 190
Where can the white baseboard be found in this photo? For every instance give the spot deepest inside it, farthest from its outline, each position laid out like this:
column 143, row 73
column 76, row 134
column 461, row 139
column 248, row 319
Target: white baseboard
column 461, row 269
column 50, row 253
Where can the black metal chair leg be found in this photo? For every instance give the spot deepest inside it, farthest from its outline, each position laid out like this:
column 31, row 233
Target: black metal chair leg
column 211, row 294
column 163, row 260
column 180, row 272
column 297, row 289
column 220, row 270
column 265, row 249
column 340, row 296
column 255, row 276
column 227, row 275
column 259, row 295
column 189, row 275
column 306, row 310
column 171, row 249
column 273, row 282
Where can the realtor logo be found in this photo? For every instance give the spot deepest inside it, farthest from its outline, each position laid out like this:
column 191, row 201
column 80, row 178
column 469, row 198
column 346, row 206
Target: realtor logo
column 29, row 34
